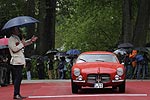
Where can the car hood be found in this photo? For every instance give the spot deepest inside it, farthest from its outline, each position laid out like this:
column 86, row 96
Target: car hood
column 98, row 67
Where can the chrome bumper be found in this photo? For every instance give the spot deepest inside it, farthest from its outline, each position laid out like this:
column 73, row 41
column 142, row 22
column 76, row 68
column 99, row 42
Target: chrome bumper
column 117, row 81
column 83, row 81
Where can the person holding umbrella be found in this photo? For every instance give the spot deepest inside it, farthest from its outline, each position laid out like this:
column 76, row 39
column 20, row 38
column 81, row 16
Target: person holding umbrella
column 16, row 45
column 16, row 48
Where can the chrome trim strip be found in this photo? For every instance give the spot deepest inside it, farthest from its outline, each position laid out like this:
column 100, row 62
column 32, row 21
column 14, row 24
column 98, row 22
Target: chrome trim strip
column 117, row 80
column 83, row 81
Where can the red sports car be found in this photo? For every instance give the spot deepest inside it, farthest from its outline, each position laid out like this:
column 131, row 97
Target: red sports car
column 97, row 69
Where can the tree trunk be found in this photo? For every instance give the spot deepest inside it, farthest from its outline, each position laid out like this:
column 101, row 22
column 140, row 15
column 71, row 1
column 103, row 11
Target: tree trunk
column 47, row 26
column 41, row 39
column 50, row 24
column 142, row 23
column 126, row 22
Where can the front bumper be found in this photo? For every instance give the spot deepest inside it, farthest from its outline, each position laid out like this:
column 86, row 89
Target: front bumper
column 83, row 81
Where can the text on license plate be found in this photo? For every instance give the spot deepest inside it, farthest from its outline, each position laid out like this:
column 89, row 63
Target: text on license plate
column 98, row 85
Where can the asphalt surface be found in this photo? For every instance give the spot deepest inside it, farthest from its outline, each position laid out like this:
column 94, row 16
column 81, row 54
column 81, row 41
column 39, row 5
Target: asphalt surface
column 45, row 81
column 61, row 90
column 67, row 80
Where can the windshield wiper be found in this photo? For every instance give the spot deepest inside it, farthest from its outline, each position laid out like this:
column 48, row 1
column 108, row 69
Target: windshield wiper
column 83, row 60
column 100, row 60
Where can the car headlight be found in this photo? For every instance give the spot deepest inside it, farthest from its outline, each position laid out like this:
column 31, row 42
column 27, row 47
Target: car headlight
column 120, row 71
column 76, row 71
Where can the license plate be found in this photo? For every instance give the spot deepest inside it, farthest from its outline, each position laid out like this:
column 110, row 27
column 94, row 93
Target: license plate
column 98, row 85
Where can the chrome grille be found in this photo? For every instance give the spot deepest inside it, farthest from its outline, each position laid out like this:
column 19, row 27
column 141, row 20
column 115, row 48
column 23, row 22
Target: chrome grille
column 93, row 78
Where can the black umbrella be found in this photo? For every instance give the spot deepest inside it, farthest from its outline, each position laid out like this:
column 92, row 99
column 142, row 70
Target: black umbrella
column 61, row 54
column 54, row 51
column 35, row 56
column 125, row 45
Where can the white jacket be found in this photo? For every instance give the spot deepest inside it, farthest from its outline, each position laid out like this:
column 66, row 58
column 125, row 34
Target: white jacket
column 16, row 49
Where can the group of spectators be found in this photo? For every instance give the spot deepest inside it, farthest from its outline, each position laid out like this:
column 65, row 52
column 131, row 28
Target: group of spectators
column 52, row 67
column 57, row 67
column 136, row 64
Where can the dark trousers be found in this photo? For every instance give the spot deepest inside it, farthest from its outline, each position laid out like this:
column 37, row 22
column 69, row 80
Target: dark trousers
column 18, row 78
column 140, row 68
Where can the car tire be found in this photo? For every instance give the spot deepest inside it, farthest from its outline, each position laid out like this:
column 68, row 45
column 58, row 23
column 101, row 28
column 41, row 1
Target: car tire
column 114, row 87
column 122, row 87
column 74, row 87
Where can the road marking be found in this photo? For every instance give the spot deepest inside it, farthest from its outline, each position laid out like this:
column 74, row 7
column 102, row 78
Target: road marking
column 74, row 96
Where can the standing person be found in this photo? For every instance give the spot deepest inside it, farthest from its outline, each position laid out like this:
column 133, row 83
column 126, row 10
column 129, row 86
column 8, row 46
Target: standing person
column 40, row 67
column 50, row 67
column 62, row 68
column 146, row 63
column 128, row 66
column 69, row 61
column 28, row 68
column 56, row 63
column 140, row 66
column 133, row 63
column 16, row 48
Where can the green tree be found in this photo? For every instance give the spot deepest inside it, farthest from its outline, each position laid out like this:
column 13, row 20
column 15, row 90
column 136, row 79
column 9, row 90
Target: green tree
column 93, row 25
column 10, row 9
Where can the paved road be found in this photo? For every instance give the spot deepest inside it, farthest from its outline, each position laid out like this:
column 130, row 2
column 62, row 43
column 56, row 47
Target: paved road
column 61, row 90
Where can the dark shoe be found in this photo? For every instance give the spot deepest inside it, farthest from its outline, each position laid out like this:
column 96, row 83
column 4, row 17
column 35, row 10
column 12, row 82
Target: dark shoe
column 19, row 97
column 23, row 97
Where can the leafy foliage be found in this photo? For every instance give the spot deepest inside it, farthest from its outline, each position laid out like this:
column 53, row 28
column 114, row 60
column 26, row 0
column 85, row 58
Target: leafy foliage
column 10, row 9
column 93, row 25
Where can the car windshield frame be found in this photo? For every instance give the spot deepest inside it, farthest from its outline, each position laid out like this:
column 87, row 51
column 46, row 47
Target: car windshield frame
column 97, row 58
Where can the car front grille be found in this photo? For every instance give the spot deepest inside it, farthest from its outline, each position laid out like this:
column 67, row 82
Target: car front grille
column 93, row 78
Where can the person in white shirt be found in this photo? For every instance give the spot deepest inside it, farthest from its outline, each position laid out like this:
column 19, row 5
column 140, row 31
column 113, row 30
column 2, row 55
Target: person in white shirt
column 16, row 48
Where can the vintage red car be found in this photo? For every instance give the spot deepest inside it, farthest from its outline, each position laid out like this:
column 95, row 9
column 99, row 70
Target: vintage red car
column 98, row 69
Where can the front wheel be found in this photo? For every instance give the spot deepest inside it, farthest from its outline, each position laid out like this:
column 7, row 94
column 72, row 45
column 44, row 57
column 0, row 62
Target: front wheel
column 122, row 87
column 74, row 87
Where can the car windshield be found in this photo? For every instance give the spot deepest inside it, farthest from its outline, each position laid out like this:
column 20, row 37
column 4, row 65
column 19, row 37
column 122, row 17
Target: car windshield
column 96, row 58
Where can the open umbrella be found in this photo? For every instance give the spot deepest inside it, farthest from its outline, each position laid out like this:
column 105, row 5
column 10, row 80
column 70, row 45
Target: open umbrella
column 61, row 54
column 52, row 51
column 125, row 45
column 19, row 21
column 3, row 43
column 73, row 52
column 121, row 51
